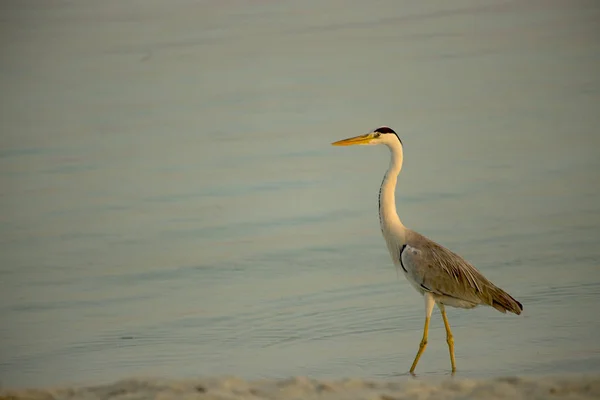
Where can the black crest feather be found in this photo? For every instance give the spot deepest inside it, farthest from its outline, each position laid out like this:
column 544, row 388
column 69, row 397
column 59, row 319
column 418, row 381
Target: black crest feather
column 387, row 129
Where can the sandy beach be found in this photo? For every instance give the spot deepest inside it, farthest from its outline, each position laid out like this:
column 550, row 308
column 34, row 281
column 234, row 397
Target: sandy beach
column 566, row 387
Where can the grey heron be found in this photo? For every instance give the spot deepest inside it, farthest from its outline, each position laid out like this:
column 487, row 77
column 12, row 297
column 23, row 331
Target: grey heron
column 440, row 275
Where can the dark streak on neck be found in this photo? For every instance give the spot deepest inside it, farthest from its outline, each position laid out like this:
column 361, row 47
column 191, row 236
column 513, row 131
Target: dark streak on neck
column 379, row 202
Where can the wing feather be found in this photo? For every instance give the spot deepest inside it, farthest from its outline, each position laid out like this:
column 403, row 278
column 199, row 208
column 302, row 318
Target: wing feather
column 445, row 273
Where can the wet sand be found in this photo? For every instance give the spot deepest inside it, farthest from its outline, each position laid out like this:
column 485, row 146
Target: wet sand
column 572, row 387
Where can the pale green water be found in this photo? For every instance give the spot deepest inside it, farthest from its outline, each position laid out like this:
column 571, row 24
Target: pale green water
column 171, row 204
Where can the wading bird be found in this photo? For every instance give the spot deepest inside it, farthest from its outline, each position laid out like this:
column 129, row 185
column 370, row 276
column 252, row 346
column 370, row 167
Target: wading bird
column 441, row 276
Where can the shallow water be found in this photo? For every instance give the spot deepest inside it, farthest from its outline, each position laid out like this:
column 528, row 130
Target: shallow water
column 171, row 205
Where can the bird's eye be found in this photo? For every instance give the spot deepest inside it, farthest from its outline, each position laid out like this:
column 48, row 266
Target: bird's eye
column 377, row 134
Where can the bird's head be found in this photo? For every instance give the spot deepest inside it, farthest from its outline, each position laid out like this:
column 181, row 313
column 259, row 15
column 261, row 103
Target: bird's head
column 382, row 135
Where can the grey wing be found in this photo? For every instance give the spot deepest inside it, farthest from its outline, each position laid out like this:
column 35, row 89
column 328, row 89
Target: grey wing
column 449, row 276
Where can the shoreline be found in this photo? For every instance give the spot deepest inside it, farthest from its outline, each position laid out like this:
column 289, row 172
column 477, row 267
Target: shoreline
column 576, row 386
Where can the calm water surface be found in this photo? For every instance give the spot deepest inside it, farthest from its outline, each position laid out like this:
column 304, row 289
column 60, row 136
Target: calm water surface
column 171, row 206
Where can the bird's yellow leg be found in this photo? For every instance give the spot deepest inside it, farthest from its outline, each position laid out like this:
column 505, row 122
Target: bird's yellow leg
column 429, row 302
column 449, row 337
column 422, row 345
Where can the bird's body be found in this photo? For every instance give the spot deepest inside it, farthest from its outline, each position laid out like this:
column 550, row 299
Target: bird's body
column 440, row 275
column 450, row 279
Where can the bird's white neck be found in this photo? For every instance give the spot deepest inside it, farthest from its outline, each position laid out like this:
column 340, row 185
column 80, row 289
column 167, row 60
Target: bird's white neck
column 388, row 217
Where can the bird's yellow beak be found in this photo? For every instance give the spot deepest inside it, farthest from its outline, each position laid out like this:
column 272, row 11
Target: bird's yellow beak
column 362, row 139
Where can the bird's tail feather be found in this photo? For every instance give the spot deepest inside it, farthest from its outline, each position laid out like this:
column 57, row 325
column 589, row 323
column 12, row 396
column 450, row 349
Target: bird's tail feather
column 504, row 302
